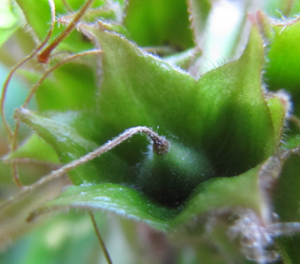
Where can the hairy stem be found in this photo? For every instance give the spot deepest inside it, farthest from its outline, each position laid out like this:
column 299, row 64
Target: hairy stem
column 160, row 146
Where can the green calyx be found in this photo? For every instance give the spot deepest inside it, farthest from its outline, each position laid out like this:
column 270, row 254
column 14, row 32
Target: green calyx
column 219, row 126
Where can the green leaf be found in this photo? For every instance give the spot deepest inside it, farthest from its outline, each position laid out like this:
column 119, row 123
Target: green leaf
column 132, row 204
column 34, row 148
column 119, row 199
column 225, row 193
column 282, row 71
column 278, row 107
column 69, row 145
column 74, row 88
column 139, row 89
column 65, row 140
column 159, row 23
column 71, row 87
column 282, row 65
column 235, row 86
column 286, row 198
column 287, row 193
column 232, row 119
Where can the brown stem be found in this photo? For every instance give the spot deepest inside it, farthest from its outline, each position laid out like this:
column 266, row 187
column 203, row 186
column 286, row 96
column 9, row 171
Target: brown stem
column 43, row 57
column 16, row 175
column 296, row 120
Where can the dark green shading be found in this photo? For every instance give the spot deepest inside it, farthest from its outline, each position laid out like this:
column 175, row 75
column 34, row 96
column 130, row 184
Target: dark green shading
column 286, row 199
column 287, row 193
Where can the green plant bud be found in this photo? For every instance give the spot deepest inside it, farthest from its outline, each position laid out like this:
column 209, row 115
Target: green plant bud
column 169, row 179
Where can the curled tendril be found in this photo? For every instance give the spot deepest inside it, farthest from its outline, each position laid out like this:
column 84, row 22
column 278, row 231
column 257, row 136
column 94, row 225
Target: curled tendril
column 21, row 63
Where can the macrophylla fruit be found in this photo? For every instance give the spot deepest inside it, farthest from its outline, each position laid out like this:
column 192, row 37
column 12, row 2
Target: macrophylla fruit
column 170, row 179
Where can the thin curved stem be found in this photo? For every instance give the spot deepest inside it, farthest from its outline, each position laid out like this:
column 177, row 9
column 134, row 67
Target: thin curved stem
column 102, row 244
column 16, row 175
column 67, row 5
column 8, row 79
